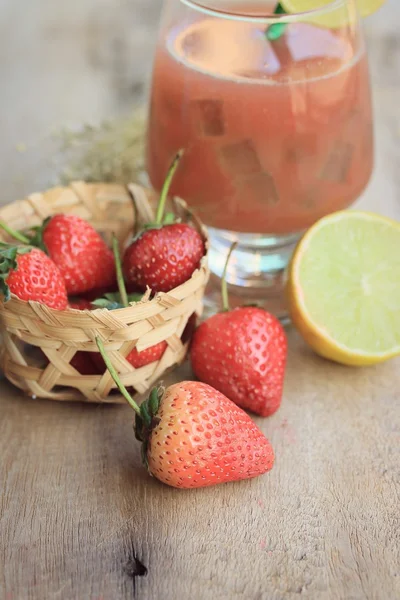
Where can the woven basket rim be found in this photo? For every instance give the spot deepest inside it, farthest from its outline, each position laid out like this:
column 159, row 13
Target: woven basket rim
column 199, row 226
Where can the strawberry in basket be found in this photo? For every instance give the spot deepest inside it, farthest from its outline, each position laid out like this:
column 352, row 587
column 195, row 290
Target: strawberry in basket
column 165, row 253
column 121, row 300
column 31, row 275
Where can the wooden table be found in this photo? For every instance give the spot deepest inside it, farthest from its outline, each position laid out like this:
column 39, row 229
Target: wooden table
column 79, row 517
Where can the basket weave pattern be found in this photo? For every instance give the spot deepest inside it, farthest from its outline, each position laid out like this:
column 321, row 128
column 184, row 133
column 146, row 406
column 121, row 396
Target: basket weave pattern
column 60, row 334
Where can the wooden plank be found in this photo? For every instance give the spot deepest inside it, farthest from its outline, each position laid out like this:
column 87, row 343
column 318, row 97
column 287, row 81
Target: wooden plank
column 79, row 517
column 79, row 512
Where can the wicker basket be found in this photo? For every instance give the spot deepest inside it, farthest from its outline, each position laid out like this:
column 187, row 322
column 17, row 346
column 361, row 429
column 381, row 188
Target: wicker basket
column 27, row 326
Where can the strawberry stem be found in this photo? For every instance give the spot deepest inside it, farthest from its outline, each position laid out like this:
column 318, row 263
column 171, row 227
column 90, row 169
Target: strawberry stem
column 166, row 186
column 224, row 285
column 135, row 211
column 14, row 234
column 118, row 269
column 116, row 378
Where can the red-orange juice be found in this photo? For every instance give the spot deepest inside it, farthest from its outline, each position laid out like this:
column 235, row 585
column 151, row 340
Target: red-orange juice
column 276, row 134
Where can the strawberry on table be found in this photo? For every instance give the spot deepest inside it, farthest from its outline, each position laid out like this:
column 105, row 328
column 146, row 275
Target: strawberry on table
column 242, row 353
column 31, row 275
column 193, row 436
column 203, row 438
column 165, row 254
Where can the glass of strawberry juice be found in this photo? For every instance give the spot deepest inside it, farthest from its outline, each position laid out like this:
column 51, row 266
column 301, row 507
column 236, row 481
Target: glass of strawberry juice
column 274, row 115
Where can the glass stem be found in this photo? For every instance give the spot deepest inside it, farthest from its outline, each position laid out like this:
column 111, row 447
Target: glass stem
column 224, row 285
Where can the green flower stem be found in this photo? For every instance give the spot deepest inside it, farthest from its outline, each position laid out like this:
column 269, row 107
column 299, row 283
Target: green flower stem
column 224, row 285
column 118, row 269
column 116, row 378
column 166, row 186
column 15, row 234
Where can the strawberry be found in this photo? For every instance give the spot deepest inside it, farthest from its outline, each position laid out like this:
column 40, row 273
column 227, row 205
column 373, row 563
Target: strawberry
column 165, row 254
column 79, row 251
column 242, row 353
column 135, row 358
column 80, row 304
column 162, row 259
column 96, row 293
column 189, row 329
column 145, row 357
column 194, row 436
column 201, row 438
column 83, row 363
column 31, row 275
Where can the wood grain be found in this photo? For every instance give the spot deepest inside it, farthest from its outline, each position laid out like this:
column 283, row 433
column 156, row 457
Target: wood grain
column 78, row 511
column 79, row 517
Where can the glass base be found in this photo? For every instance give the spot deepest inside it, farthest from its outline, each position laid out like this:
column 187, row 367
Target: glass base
column 256, row 271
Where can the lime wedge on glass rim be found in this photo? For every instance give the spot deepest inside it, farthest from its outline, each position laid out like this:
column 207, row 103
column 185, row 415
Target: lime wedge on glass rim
column 344, row 287
column 337, row 13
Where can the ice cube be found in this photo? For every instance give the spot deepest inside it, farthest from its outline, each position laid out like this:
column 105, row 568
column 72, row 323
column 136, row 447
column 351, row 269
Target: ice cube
column 338, row 164
column 308, row 201
column 351, row 123
column 301, row 147
column 260, row 187
column 358, row 130
column 209, row 117
column 240, row 159
column 169, row 106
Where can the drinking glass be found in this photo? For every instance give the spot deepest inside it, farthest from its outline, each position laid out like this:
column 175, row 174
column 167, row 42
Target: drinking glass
column 273, row 112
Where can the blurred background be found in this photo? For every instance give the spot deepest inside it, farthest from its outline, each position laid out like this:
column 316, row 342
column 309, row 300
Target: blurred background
column 70, row 64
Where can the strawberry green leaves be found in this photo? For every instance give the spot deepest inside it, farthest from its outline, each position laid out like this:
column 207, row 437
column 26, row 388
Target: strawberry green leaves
column 8, row 262
column 112, row 301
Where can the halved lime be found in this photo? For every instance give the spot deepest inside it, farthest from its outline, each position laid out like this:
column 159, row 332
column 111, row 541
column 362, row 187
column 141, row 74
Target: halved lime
column 344, row 287
column 335, row 14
